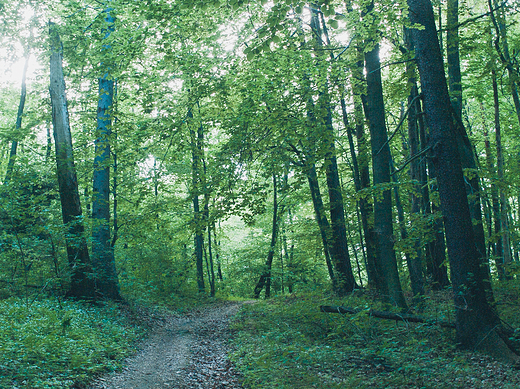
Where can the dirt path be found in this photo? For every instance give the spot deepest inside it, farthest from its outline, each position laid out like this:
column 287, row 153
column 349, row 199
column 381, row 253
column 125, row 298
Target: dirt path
column 188, row 351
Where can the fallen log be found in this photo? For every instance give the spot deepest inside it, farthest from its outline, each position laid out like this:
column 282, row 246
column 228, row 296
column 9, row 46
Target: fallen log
column 386, row 315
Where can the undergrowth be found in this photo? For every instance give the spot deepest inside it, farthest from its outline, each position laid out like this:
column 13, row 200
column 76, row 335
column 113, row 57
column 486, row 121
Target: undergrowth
column 286, row 342
column 52, row 344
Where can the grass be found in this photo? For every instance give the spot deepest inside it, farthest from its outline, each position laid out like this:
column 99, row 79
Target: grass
column 51, row 344
column 286, row 342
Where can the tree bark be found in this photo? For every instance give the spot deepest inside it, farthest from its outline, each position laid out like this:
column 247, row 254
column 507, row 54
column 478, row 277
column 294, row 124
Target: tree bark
column 495, row 233
column 82, row 283
column 383, row 223
column 477, row 323
column 502, row 48
column 321, row 218
column 412, row 260
column 505, row 249
column 18, row 126
column 197, row 214
column 211, row 272
column 345, row 282
column 466, row 151
column 453, row 56
column 265, row 278
column 103, row 260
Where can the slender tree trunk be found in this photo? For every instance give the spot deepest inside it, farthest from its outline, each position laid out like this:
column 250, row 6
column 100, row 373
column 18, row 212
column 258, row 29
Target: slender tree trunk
column 365, row 207
column 321, row 219
column 211, row 272
column 197, row 214
column 415, row 262
column 412, row 260
column 505, row 248
column 476, row 320
column 82, row 284
column 103, row 260
column 362, row 208
column 502, row 47
column 495, row 238
column 453, row 56
column 217, row 253
column 19, row 116
column 345, row 281
column 265, row 278
column 383, row 224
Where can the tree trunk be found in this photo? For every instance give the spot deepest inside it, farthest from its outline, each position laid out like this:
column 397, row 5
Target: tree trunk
column 103, row 260
column 383, row 223
column 415, row 262
column 502, row 48
column 321, row 219
column 476, row 320
column 453, row 57
column 82, row 284
column 265, row 278
column 505, row 249
column 18, row 126
column 412, row 260
column 467, row 154
column 197, row 214
column 495, row 238
column 365, row 207
column 345, row 282
column 211, row 270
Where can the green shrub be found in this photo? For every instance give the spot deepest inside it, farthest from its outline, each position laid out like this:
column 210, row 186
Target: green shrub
column 49, row 344
column 286, row 342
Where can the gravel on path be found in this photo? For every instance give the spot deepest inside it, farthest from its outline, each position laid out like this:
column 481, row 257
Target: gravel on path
column 188, row 351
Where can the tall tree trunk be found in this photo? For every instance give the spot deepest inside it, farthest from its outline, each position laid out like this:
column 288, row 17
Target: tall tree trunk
column 466, row 151
column 321, row 218
column 211, row 272
column 412, row 259
column 383, row 223
column 495, row 238
column 18, row 126
column 103, row 260
column 435, row 250
column 415, row 262
column 362, row 202
column 502, row 48
column 197, row 214
column 476, row 320
column 505, row 249
column 217, row 253
column 345, row 281
column 453, row 56
column 365, row 207
column 82, row 284
column 265, row 278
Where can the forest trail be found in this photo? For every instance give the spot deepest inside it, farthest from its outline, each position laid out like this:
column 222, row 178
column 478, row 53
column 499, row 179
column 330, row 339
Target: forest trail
column 188, row 351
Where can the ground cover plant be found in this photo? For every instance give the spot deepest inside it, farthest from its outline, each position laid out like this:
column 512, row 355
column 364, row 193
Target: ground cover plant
column 287, row 342
column 61, row 344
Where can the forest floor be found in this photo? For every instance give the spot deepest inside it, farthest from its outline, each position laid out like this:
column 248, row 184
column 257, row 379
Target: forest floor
column 182, row 351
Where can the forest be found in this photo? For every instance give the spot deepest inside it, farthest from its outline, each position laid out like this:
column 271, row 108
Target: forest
column 339, row 177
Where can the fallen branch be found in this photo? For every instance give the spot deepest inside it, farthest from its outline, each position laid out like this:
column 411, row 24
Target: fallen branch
column 386, row 315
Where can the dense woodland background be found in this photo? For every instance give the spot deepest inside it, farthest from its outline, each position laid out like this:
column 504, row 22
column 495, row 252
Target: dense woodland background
column 264, row 149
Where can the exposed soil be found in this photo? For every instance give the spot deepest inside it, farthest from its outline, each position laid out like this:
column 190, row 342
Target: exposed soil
column 188, row 351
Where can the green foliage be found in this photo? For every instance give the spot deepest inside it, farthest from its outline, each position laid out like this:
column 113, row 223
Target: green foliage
column 50, row 344
column 288, row 343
